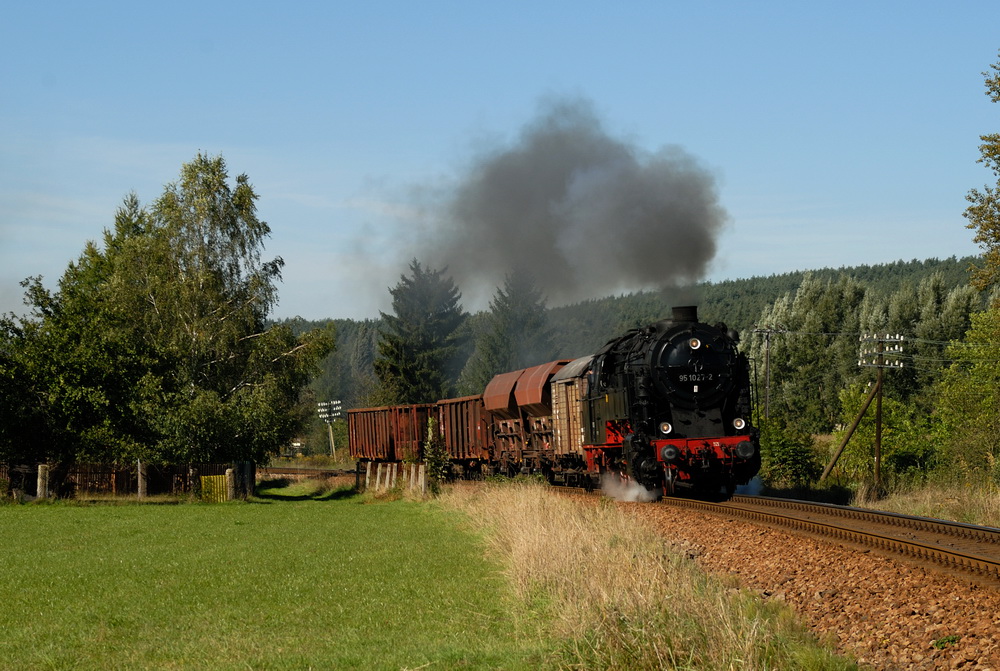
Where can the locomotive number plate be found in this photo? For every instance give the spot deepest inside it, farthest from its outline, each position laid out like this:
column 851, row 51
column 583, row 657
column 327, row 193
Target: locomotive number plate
column 696, row 377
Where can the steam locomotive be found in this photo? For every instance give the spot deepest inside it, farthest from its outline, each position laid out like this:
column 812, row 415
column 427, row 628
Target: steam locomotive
column 667, row 407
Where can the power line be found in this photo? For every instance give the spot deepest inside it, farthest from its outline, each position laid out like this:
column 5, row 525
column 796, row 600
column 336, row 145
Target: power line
column 856, row 334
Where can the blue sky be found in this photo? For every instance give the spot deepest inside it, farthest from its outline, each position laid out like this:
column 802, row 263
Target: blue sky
column 837, row 133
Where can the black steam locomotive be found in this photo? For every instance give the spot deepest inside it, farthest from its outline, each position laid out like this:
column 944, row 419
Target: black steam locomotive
column 667, row 407
column 675, row 396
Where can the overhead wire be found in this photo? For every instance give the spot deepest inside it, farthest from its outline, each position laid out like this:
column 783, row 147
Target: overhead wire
column 917, row 361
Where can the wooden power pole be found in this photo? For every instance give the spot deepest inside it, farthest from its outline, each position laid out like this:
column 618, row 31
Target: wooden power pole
column 886, row 354
column 767, row 331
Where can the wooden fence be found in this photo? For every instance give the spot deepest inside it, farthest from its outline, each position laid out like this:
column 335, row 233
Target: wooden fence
column 395, row 474
column 134, row 479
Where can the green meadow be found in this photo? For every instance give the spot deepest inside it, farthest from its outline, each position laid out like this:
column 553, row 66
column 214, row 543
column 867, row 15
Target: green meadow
column 297, row 579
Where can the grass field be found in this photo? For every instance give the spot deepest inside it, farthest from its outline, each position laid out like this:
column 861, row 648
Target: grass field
column 296, row 580
column 304, row 577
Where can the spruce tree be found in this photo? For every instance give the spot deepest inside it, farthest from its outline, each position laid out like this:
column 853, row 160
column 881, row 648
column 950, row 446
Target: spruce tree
column 517, row 333
column 418, row 344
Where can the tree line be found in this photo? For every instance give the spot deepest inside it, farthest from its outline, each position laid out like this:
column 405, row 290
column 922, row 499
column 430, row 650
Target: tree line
column 519, row 330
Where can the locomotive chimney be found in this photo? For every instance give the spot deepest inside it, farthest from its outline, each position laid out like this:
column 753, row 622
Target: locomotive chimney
column 686, row 313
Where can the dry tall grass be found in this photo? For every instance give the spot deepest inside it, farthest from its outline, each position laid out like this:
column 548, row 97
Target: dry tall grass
column 621, row 597
column 962, row 500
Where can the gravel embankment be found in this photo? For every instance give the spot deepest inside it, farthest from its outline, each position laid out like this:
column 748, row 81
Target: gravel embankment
column 885, row 613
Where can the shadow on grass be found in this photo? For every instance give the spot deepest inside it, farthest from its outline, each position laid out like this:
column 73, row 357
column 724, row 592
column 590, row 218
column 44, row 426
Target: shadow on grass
column 338, row 494
column 283, row 489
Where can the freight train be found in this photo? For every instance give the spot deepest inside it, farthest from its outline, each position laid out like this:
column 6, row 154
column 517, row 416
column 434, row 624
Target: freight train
column 668, row 407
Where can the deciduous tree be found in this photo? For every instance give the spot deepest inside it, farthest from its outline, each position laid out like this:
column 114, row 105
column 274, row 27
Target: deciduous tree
column 969, row 400
column 983, row 212
column 788, row 456
column 156, row 346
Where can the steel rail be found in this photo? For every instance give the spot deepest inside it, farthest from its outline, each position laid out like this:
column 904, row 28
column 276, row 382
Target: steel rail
column 979, row 534
column 923, row 551
column 313, row 472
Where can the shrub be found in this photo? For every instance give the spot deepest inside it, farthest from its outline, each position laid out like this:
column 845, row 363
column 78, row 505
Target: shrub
column 910, row 443
column 436, row 458
column 788, row 456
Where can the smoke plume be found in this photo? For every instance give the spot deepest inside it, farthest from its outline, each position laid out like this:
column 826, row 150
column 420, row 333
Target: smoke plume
column 587, row 214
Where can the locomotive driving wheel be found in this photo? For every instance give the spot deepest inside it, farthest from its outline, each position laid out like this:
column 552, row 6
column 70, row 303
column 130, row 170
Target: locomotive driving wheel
column 669, row 481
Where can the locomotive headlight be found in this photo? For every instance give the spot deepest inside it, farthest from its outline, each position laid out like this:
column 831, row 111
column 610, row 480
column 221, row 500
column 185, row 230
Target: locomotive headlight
column 665, row 428
column 694, row 343
column 739, row 423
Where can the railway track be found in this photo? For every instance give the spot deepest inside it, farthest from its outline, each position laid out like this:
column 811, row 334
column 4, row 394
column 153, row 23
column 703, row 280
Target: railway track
column 971, row 551
column 277, row 471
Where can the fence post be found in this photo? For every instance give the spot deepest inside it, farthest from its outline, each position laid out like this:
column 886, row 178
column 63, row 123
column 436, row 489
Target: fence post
column 368, row 474
column 241, row 479
column 43, row 481
column 423, row 479
column 230, row 484
column 143, row 481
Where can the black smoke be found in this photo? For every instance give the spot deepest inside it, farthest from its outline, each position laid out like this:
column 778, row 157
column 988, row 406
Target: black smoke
column 588, row 214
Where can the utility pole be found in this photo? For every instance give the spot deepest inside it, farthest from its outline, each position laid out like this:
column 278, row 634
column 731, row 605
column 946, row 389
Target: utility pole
column 767, row 331
column 328, row 412
column 885, row 354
